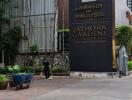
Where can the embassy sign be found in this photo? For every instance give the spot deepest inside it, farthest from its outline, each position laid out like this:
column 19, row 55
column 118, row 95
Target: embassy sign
column 91, row 32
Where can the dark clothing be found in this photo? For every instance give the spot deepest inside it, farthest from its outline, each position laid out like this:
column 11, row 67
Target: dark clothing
column 46, row 69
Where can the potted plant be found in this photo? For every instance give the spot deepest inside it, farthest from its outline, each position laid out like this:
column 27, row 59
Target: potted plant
column 13, row 70
column 22, row 80
column 19, row 76
column 3, row 82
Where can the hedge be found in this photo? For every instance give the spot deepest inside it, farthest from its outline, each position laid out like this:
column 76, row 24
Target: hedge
column 129, row 65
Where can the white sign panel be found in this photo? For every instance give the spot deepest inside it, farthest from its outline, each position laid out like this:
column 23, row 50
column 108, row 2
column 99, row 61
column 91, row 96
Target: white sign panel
column 88, row 0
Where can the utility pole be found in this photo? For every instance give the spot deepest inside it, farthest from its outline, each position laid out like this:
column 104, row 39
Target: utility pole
column 63, row 34
column 3, row 56
column 2, row 35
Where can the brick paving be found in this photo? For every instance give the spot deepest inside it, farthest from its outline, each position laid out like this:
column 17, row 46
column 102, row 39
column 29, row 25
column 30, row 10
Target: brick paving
column 39, row 86
column 69, row 88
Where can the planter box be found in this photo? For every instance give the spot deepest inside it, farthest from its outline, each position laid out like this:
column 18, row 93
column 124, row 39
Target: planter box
column 60, row 74
column 11, row 81
column 21, row 80
column 12, row 84
column 37, row 73
column 3, row 85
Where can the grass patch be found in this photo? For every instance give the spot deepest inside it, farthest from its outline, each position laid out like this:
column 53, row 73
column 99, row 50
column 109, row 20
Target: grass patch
column 129, row 65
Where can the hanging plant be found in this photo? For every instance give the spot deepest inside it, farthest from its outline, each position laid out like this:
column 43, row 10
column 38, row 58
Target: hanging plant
column 33, row 49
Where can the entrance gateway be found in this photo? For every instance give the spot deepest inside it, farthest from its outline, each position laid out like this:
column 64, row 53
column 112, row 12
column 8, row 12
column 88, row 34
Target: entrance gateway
column 91, row 35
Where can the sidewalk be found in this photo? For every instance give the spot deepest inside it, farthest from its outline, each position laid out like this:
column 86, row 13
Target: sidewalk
column 39, row 87
column 67, row 88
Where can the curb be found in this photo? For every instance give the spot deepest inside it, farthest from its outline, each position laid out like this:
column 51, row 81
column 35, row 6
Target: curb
column 84, row 75
column 130, row 72
column 94, row 75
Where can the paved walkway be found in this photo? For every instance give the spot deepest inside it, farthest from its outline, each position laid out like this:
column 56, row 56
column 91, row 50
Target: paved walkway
column 37, row 89
column 73, row 89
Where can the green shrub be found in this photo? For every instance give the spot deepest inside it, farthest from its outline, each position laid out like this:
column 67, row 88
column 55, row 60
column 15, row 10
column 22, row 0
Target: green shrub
column 3, row 78
column 38, row 69
column 129, row 65
column 124, row 36
column 30, row 69
column 3, row 71
column 33, row 49
column 59, row 69
column 30, row 62
column 13, row 69
column 26, row 69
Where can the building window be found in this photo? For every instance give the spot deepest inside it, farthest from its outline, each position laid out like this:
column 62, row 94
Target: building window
column 129, row 4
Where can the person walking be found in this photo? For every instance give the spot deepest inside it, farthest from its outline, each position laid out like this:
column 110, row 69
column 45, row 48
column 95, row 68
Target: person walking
column 122, row 61
column 46, row 69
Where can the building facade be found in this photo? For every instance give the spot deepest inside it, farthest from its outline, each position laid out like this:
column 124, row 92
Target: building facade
column 46, row 22
column 121, row 10
column 129, row 4
column 63, row 14
column 38, row 21
column 63, row 25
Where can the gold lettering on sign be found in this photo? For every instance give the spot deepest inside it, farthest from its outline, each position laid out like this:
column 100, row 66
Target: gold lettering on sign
column 89, row 7
column 89, row 11
column 89, row 32
column 89, row 15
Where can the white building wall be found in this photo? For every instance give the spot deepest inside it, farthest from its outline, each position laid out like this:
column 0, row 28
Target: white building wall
column 120, row 12
column 42, row 15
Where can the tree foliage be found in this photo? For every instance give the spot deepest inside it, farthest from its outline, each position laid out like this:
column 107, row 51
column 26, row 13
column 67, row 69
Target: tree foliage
column 33, row 49
column 10, row 41
column 9, row 38
column 124, row 36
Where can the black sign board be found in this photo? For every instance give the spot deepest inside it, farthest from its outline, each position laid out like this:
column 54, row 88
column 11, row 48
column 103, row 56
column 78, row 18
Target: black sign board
column 91, row 35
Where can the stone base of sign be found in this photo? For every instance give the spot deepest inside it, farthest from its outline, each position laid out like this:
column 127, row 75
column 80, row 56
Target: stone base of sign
column 94, row 74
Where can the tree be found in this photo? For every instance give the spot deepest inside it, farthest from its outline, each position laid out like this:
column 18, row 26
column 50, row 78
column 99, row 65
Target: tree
column 124, row 36
column 10, row 41
column 33, row 51
column 2, row 21
column 9, row 38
